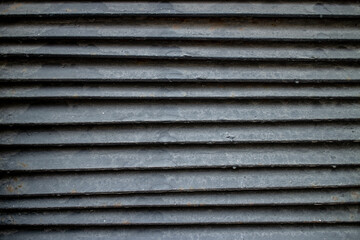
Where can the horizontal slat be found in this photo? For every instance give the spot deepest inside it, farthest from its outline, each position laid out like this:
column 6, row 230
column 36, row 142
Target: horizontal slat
column 183, row 8
column 262, row 232
column 77, row 151
column 324, row 214
column 186, row 50
column 280, row 29
column 181, row 134
column 178, row 91
column 84, row 112
column 197, row 199
column 179, row 157
column 179, row 180
column 186, row 71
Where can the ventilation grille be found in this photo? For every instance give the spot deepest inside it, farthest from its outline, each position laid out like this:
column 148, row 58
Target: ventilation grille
column 180, row 120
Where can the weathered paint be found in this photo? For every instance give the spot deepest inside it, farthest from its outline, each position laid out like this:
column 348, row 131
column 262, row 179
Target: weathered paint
column 180, row 119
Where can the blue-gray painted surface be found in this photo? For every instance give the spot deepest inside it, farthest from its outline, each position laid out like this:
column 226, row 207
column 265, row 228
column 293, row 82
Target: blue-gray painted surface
column 180, row 119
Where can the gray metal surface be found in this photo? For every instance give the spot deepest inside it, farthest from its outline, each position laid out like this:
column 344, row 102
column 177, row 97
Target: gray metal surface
column 186, row 50
column 180, row 119
column 177, row 180
column 273, row 29
column 327, row 8
column 242, row 215
column 162, row 133
column 164, row 91
column 147, row 111
column 279, row 198
column 179, row 157
column 298, row 232
column 120, row 70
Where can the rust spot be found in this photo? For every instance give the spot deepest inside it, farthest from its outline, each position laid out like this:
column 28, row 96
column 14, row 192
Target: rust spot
column 125, row 222
column 118, row 204
column 355, row 195
column 335, row 198
column 15, row 179
column 19, row 186
column 24, row 165
column 140, row 62
column 176, row 26
column 13, row 7
column 188, row 204
column 73, row 191
column 10, row 188
column 181, row 189
column 216, row 26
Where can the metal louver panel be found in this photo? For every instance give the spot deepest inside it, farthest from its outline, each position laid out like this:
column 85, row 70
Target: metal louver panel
column 180, row 119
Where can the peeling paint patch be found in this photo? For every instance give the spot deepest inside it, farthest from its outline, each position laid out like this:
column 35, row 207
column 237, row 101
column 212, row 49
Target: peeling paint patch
column 10, row 188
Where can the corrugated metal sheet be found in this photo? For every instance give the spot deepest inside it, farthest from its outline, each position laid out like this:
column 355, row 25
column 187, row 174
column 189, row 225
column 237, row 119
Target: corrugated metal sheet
column 180, row 119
